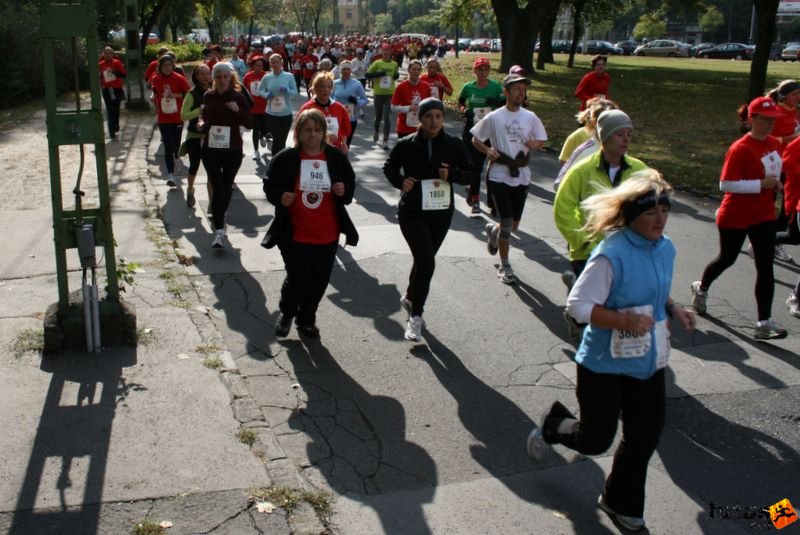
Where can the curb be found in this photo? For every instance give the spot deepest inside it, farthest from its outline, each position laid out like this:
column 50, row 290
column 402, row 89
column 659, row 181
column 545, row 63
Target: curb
column 304, row 519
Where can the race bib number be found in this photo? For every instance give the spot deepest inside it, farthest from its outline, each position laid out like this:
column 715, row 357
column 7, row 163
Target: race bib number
column 297, row 66
column 662, row 344
column 772, row 164
column 333, row 125
column 435, row 92
column 435, row 194
column 412, row 119
column 385, row 82
column 169, row 105
column 351, row 110
column 254, row 88
column 277, row 104
column 628, row 345
column 219, row 137
column 108, row 76
column 309, row 65
column 480, row 113
column 314, row 176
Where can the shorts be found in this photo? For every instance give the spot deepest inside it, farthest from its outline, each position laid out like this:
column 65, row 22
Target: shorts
column 509, row 201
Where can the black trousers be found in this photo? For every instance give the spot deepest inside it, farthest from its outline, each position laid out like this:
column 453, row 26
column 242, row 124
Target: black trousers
column 171, row 139
column 221, row 168
column 424, row 232
column 308, row 271
column 479, row 159
column 112, row 97
column 279, row 128
column 762, row 237
column 602, row 397
column 259, row 128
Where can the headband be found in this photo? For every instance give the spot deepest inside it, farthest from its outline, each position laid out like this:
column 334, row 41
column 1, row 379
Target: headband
column 633, row 209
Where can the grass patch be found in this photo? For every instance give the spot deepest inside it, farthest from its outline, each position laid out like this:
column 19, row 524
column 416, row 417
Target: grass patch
column 206, row 349
column 145, row 335
column 246, row 436
column 174, row 286
column 213, row 363
column 684, row 110
column 289, row 498
column 31, row 339
column 181, row 303
column 148, row 527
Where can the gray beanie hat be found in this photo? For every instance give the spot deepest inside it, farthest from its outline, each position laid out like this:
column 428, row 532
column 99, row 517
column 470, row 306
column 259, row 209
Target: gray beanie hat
column 610, row 121
column 430, row 103
column 221, row 66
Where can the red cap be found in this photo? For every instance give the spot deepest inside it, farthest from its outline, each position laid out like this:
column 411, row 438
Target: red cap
column 255, row 57
column 764, row 106
column 480, row 62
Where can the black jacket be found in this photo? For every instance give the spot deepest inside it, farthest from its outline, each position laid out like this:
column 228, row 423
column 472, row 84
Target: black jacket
column 281, row 178
column 420, row 157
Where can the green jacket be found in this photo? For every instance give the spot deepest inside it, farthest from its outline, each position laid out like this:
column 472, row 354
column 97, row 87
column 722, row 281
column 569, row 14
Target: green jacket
column 584, row 179
column 383, row 68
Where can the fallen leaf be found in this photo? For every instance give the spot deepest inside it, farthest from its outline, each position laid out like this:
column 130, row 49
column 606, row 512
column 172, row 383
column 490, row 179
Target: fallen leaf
column 166, row 524
column 183, row 356
column 296, row 386
column 265, row 507
column 559, row 514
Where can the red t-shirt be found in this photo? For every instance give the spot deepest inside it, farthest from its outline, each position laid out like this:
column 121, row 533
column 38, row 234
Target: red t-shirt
column 313, row 214
column 107, row 76
column 337, row 117
column 297, row 63
column 309, row 66
column 592, row 85
column 251, row 81
column 791, row 166
column 786, row 124
column 743, row 162
column 406, row 94
column 173, row 86
column 438, row 77
column 150, row 70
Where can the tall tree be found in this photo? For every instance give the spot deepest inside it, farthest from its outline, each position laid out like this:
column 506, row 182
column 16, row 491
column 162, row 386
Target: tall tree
column 546, row 37
column 766, row 12
column 216, row 12
column 519, row 26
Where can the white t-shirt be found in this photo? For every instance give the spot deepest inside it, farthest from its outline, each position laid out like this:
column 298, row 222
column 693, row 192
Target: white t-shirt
column 508, row 131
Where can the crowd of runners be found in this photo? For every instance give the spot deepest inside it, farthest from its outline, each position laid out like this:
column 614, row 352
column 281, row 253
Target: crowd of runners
column 610, row 207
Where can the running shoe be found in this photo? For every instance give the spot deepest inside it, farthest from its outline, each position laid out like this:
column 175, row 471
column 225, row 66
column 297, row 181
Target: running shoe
column 414, row 329
column 256, row 155
column 219, row 239
column 190, row 200
column 568, row 278
column 375, row 136
column 536, row 446
column 171, row 181
column 385, row 145
column 310, row 331
column 699, row 297
column 552, row 420
column 491, row 239
column 769, row 330
column 405, row 302
column 794, row 305
column 781, row 254
column 283, row 325
column 631, row 523
column 476, row 209
column 506, row 275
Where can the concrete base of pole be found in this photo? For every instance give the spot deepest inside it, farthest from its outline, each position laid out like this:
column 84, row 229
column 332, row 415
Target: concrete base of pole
column 64, row 330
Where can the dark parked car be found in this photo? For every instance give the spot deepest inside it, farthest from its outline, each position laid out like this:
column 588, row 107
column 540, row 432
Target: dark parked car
column 558, row 45
column 699, row 47
column 728, row 51
column 627, row 46
column 480, row 45
column 600, row 47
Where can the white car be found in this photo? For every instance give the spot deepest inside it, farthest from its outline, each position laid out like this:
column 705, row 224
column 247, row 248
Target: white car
column 663, row 48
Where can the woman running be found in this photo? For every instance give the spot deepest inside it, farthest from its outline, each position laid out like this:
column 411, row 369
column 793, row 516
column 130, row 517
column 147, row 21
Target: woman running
column 201, row 78
column 594, row 83
column 423, row 166
column 169, row 89
column 336, row 115
column 251, row 81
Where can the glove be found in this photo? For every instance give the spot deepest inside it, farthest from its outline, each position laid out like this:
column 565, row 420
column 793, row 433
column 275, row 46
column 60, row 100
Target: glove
column 269, row 95
column 352, row 100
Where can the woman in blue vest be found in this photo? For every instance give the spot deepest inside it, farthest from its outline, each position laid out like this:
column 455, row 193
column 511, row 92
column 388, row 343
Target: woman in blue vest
column 623, row 294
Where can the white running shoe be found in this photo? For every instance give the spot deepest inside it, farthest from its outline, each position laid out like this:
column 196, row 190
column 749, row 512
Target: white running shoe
column 781, row 254
column 769, row 330
column 506, row 275
column 414, row 329
column 632, row 523
column 699, row 297
column 171, row 181
column 219, row 239
column 794, row 305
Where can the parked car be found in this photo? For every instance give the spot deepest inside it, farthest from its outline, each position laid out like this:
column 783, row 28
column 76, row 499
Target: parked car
column 558, row 45
column 627, row 46
column 600, row 47
column 663, row 48
column 497, row 45
column 480, row 45
column 463, row 43
column 728, row 51
column 699, row 47
column 790, row 52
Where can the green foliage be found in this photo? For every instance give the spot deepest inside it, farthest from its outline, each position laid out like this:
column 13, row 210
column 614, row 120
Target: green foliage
column 650, row 26
column 183, row 53
column 126, row 272
column 384, row 23
column 425, row 24
column 21, row 65
column 712, row 20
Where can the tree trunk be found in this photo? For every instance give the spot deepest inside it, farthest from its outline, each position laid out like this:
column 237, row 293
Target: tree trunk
column 518, row 31
column 546, row 37
column 577, row 30
column 149, row 22
column 250, row 31
column 766, row 11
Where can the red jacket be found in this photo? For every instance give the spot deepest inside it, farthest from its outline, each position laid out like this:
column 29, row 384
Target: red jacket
column 111, row 72
column 592, row 85
column 165, row 88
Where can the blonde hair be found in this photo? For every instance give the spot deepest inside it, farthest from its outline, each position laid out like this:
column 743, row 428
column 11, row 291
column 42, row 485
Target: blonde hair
column 314, row 115
column 320, row 77
column 604, row 210
column 594, row 107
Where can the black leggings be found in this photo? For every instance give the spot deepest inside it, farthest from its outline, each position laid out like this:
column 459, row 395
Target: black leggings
column 112, row 96
column 602, row 397
column 762, row 237
column 279, row 126
column 171, row 139
column 308, row 270
column 424, row 232
column 259, row 128
column 194, row 150
column 221, row 168
column 792, row 233
column 478, row 159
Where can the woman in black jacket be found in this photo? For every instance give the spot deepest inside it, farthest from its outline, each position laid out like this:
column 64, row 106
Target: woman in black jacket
column 423, row 166
column 309, row 184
